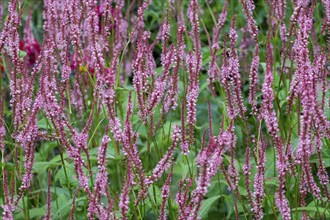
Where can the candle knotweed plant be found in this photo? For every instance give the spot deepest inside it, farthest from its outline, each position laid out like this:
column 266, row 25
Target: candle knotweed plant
column 175, row 109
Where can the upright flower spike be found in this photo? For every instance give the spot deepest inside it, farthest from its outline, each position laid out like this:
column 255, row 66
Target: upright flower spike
column 309, row 104
column 49, row 16
column 129, row 144
column 101, row 182
column 321, row 173
column 321, row 73
column 61, row 15
column 194, row 62
column 130, row 150
column 225, row 80
column 320, row 119
column 8, row 34
column 313, row 119
column 171, row 99
column 108, row 94
column 79, row 163
column 27, row 138
column 30, row 64
column 213, row 68
column 221, row 21
column 140, row 20
column 165, row 35
column 46, row 99
column 144, row 67
column 280, row 7
column 247, row 171
column 259, row 178
column 8, row 207
column 74, row 15
column 269, row 115
column 184, row 143
column 124, row 196
column 162, row 165
column 254, row 80
column 191, row 110
column 248, row 7
column 181, row 43
column 9, row 40
column 160, row 85
column 232, row 169
column 279, row 14
column 327, row 7
column 49, row 199
column 193, row 12
column 209, row 161
column 234, row 69
column 28, row 164
column 2, row 127
column 166, row 194
column 182, row 198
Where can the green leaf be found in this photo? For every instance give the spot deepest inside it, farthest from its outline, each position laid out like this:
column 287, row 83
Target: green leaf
column 70, row 179
column 64, row 210
column 44, row 124
column 57, row 158
column 22, row 54
column 58, row 191
column 110, row 154
column 39, row 167
column 206, row 205
column 320, row 210
column 155, row 196
column 33, row 213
